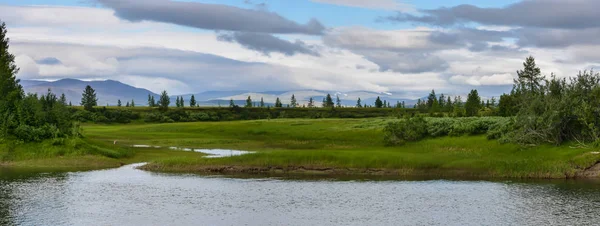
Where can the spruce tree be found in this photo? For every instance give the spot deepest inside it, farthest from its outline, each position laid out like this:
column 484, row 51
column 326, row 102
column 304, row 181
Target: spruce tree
column 10, row 90
column 249, row 102
column 338, row 102
column 378, row 103
column 181, row 102
column 88, row 99
column 127, row 105
column 328, row 101
column 193, row 101
column 262, row 102
column 63, row 99
column 119, row 103
column 293, row 102
column 278, row 103
column 132, row 103
column 164, row 101
column 177, row 102
column 473, row 103
column 431, row 99
column 311, row 102
column 358, row 103
column 231, row 103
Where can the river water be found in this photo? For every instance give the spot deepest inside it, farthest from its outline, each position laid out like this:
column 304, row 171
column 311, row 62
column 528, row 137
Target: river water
column 127, row 196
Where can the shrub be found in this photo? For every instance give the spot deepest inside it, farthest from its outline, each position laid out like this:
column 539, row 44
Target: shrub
column 400, row 132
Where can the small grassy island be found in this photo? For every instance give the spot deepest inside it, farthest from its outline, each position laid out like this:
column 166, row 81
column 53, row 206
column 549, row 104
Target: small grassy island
column 545, row 128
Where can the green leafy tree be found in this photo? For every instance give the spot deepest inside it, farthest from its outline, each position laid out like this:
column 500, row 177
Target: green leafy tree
column 473, row 104
column 293, row 101
column 249, row 102
column 378, row 103
column 164, row 101
column 119, row 104
column 193, row 101
column 88, row 98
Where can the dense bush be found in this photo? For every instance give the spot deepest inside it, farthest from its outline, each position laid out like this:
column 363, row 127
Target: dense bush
column 400, row 132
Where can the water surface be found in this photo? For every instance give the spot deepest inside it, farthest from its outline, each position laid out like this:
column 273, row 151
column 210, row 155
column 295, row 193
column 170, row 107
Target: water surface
column 127, row 196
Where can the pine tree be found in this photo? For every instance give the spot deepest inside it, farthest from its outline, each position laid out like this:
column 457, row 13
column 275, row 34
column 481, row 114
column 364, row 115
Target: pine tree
column 119, row 103
column 358, row 103
column 262, row 102
column 293, row 101
column 328, row 101
column 164, row 101
column 231, row 103
column 278, row 103
column 385, row 103
column 127, row 105
column 442, row 102
column 458, row 109
column 378, row 103
column 249, row 102
column 311, row 102
column 132, row 103
column 473, row 104
column 193, row 101
column 70, row 104
column 448, row 107
column 177, row 102
column 10, row 90
column 181, row 102
column 88, row 99
column 338, row 102
column 432, row 98
column 530, row 77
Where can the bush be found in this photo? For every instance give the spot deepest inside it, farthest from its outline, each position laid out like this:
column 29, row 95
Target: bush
column 398, row 133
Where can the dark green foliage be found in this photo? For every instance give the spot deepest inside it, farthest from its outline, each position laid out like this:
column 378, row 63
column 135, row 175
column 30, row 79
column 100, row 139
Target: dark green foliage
column 278, row 103
column 164, row 101
column 400, row 132
column 507, row 106
column 378, row 103
column 88, row 98
column 119, row 104
column 248, row 102
column 358, row 103
column 151, row 102
column 473, row 104
column 193, row 101
column 262, row 102
column 293, row 101
column 328, row 102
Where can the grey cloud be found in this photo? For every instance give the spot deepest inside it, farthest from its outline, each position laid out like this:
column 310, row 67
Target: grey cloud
column 410, row 62
column 266, row 43
column 571, row 14
column 558, row 38
column 49, row 61
column 210, row 16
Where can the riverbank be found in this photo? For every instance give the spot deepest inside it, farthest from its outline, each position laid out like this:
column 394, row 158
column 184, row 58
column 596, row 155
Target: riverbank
column 343, row 147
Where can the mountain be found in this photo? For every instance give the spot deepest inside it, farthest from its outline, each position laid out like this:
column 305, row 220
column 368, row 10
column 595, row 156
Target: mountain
column 108, row 92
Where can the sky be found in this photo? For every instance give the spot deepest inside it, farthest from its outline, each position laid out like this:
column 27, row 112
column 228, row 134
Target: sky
column 409, row 47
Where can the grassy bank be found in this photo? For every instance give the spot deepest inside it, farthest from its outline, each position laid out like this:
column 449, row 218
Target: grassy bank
column 341, row 146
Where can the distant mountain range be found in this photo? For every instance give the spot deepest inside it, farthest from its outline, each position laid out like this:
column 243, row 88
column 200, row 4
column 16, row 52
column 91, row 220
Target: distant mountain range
column 110, row 91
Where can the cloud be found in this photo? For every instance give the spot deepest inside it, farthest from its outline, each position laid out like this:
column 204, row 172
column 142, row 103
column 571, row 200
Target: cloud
column 49, row 61
column 210, row 16
column 572, row 14
column 558, row 38
column 489, row 80
column 370, row 4
column 266, row 43
column 410, row 62
column 362, row 38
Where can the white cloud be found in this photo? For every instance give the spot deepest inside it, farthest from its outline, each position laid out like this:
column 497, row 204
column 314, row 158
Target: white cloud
column 394, row 5
column 488, row 80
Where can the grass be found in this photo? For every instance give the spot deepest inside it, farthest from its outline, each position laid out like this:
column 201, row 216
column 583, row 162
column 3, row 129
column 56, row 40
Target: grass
column 340, row 146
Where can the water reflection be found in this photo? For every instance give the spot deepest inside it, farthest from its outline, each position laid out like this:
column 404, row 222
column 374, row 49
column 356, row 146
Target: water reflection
column 127, row 196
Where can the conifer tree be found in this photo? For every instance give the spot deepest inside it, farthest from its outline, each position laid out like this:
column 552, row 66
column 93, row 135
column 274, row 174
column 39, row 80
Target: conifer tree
column 231, row 103
column 378, row 103
column 127, row 105
column 119, row 103
column 164, row 101
column 358, row 103
column 311, row 102
column 473, row 104
column 181, row 102
column 10, row 90
column 278, row 103
column 193, row 101
column 132, row 103
column 328, row 101
column 88, row 98
column 249, row 102
column 293, row 101
column 262, row 102
column 63, row 99
column 338, row 102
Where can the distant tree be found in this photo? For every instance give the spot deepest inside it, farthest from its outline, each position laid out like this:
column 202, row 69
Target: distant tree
column 473, row 104
column 88, row 99
column 127, row 105
column 164, row 101
column 249, row 102
column 442, row 102
column 151, row 101
column 119, row 104
column 378, row 103
column 385, row 103
column 487, row 104
column 448, row 106
column 358, row 103
column 63, row 99
column 262, row 102
column 338, row 102
column 459, row 110
column 132, row 103
column 278, row 103
column 293, row 101
column 431, row 99
column 507, row 105
column 231, row 103
column 493, row 103
column 530, row 78
column 311, row 102
column 403, row 104
column 70, row 104
column 181, row 102
column 328, row 101
column 177, row 102
column 193, row 101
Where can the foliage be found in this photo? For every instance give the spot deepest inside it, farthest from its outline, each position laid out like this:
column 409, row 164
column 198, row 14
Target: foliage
column 89, row 99
column 164, row 101
column 400, row 132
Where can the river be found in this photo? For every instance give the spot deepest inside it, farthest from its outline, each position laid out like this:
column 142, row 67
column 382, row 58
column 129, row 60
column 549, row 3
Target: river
column 127, row 196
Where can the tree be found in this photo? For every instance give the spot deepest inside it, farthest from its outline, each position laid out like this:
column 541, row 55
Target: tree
column 328, row 101
column 63, row 99
column 530, row 77
column 181, row 102
column 293, row 101
column 311, row 102
column 119, row 104
column 448, row 106
column 127, row 105
column 164, row 101
column 442, row 102
column 249, row 102
column 384, row 103
column 378, row 103
column 473, row 104
column 10, row 90
column 262, row 102
column 88, row 99
column 458, row 110
column 177, row 103
column 278, row 103
column 431, row 99
column 132, row 103
column 338, row 102
column 70, row 104
column 358, row 103
column 151, row 102
column 193, row 101
column 231, row 103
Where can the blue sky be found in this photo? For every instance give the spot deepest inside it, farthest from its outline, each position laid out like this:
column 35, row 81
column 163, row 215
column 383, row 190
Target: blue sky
column 340, row 45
